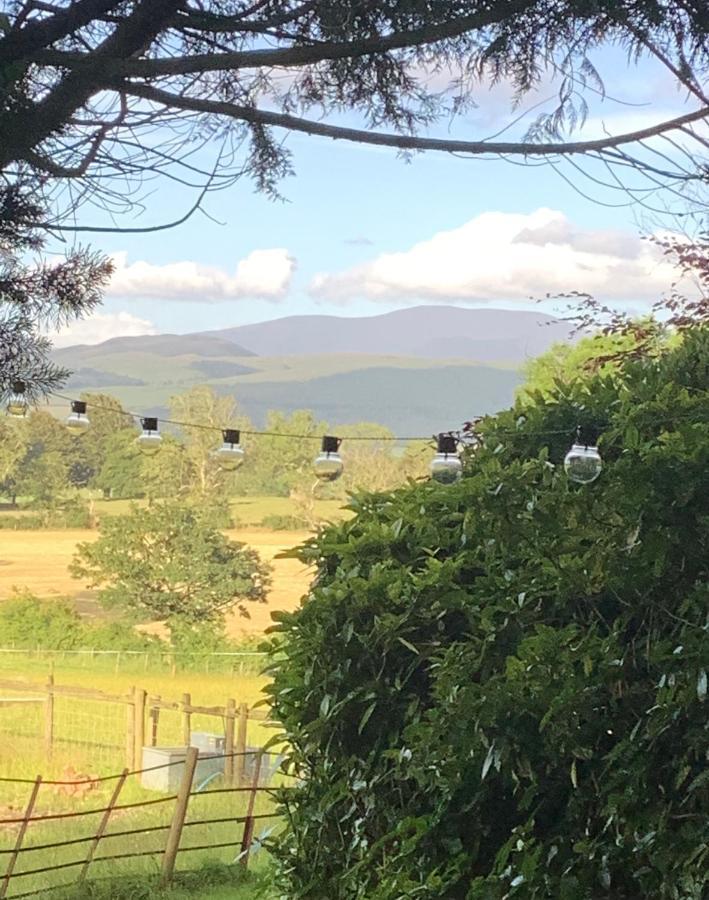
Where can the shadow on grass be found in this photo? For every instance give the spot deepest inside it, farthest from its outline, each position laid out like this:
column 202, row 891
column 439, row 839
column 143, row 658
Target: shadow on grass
column 211, row 882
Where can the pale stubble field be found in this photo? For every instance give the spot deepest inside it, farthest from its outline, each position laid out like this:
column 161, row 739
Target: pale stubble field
column 39, row 560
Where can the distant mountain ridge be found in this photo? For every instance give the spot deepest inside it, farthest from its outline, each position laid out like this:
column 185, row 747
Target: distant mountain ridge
column 435, row 332
column 429, row 332
column 413, row 370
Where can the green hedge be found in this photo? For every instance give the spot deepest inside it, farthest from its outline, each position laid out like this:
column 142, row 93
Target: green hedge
column 498, row 689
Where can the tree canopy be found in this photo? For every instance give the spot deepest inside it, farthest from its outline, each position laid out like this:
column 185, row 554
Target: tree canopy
column 171, row 563
column 498, row 689
column 87, row 86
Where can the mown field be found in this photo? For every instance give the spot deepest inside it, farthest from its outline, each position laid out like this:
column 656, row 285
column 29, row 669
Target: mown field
column 38, row 560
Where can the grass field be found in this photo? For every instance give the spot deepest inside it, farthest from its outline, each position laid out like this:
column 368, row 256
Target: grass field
column 89, row 738
column 208, row 883
column 123, row 854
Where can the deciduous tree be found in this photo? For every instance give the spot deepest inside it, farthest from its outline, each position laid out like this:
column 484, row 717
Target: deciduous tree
column 170, row 563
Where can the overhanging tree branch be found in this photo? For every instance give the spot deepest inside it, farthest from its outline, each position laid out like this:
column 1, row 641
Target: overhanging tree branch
column 402, row 141
column 291, row 56
column 193, row 68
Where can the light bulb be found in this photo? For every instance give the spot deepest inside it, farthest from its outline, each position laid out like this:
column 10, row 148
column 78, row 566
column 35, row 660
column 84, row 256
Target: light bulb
column 77, row 421
column 17, row 401
column 328, row 464
column 446, row 467
column 583, row 463
column 231, row 454
column 150, row 439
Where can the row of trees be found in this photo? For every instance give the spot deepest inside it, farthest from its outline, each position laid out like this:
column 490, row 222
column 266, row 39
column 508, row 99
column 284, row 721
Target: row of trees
column 42, row 464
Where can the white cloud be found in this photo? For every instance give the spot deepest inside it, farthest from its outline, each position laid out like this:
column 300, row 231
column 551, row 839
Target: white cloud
column 507, row 256
column 100, row 327
column 263, row 273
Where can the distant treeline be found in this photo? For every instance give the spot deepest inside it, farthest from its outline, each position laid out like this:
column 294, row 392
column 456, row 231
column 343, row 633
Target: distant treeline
column 45, row 467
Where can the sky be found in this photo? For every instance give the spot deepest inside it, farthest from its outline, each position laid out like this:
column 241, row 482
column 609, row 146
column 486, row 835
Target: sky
column 362, row 231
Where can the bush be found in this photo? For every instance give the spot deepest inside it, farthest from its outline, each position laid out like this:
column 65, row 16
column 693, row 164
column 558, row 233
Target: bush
column 283, row 523
column 498, row 689
column 118, row 636
column 28, row 622
column 74, row 514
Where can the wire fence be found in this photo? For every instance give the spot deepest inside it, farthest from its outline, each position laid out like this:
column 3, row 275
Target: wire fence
column 137, row 661
column 94, row 826
column 73, row 730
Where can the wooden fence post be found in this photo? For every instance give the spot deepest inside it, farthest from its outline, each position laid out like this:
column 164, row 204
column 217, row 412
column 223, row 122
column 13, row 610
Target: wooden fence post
column 130, row 731
column 241, row 734
column 229, row 741
column 248, row 835
column 102, row 825
column 49, row 718
column 186, row 719
column 20, row 837
column 178, row 817
column 139, row 726
column 154, row 722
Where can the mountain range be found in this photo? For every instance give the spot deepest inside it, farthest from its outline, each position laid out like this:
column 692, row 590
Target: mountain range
column 414, row 370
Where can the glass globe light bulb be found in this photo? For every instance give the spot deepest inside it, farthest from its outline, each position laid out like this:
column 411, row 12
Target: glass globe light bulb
column 231, row 454
column 150, row 439
column 328, row 464
column 583, row 463
column 17, row 401
column 446, row 466
column 77, row 422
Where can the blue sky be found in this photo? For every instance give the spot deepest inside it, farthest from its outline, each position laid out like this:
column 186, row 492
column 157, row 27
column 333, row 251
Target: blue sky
column 363, row 232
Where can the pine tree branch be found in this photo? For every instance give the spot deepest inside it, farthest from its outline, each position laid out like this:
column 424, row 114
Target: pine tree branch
column 268, row 118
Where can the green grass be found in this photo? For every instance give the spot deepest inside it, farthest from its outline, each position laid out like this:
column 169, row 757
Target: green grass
column 90, row 737
column 209, row 882
column 248, row 511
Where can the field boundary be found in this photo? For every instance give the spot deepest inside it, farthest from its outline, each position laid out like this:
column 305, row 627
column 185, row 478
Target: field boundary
column 141, row 719
column 240, row 660
column 178, row 822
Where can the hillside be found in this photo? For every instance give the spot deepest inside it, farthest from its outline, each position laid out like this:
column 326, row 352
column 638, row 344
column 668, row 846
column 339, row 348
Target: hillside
column 413, row 370
column 436, row 332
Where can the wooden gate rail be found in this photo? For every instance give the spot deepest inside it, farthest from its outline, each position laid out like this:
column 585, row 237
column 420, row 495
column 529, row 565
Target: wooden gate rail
column 175, row 829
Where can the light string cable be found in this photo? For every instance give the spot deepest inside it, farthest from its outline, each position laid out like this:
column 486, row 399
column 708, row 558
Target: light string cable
column 464, row 434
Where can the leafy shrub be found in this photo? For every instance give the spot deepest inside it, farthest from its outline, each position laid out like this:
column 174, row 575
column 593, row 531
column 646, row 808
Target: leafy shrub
column 283, row 523
column 498, row 689
column 27, row 621
column 23, row 522
column 118, row 636
column 74, row 514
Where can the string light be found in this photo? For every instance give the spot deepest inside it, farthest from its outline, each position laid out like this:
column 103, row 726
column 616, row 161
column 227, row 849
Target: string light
column 231, row 454
column 77, row 421
column 446, row 465
column 583, row 463
column 328, row 464
column 150, row 439
column 466, row 435
column 17, row 401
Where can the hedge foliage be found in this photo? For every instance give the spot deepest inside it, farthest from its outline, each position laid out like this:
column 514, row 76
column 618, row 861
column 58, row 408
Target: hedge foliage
column 498, row 689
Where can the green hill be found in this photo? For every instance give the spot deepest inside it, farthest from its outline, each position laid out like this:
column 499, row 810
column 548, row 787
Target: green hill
column 406, row 394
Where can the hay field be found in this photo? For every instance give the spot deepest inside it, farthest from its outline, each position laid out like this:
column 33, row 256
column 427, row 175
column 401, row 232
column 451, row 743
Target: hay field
column 38, row 561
